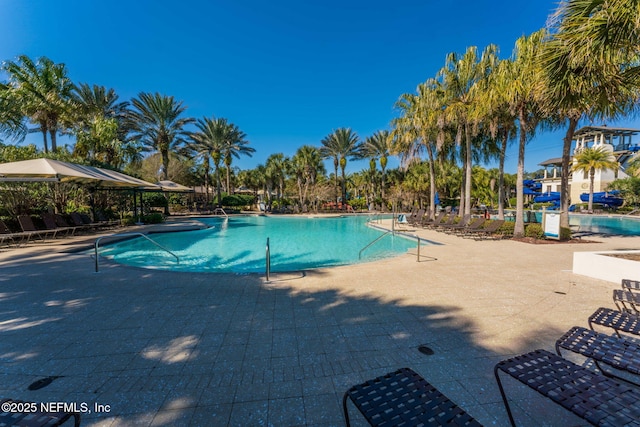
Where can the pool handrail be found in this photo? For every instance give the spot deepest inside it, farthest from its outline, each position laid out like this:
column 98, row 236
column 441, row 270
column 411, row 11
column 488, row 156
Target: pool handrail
column 218, row 210
column 374, row 241
column 97, row 243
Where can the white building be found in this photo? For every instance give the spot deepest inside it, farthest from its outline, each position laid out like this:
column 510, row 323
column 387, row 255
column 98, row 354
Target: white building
column 618, row 141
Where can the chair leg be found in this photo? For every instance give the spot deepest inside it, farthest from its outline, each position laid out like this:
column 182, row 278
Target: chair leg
column 504, row 396
column 344, row 409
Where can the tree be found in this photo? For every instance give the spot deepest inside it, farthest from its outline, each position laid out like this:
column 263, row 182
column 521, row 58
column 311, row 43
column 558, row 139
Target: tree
column 523, row 95
column 157, row 122
column 42, row 90
column 276, row 173
column 306, row 164
column 591, row 69
column 591, row 160
column 377, row 147
column 234, row 145
column 11, row 118
column 460, row 77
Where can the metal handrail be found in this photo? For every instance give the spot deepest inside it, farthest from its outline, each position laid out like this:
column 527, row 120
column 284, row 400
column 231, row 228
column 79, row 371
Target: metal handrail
column 97, row 243
column 374, row 241
column 268, row 260
column 218, row 210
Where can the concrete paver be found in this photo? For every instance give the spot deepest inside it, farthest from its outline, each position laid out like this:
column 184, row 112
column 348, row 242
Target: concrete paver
column 165, row 348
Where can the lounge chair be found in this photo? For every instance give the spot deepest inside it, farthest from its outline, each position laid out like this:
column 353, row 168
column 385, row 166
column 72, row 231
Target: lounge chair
column 589, row 395
column 474, row 225
column 26, row 223
column 619, row 321
column 460, row 225
column 417, row 218
column 50, row 223
column 7, row 235
column 487, row 231
column 77, row 221
column 21, row 413
column 450, row 221
column 404, row 398
column 615, row 352
column 427, row 222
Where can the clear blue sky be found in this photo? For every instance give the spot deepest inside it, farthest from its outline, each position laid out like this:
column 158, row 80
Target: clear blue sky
column 286, row 72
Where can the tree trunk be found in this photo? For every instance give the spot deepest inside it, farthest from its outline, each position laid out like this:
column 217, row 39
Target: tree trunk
column 468, row 161
column 503, row 150
column 44, row 139
column 54, row 144
column 564, row 172
column 518, row 230
column 432, row 183
column 592, row 175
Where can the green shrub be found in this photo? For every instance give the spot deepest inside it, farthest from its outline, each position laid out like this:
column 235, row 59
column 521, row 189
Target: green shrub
column 238, row 200
column 565, row 233
column 506, row 229
column 358, row 204
column 153, row 218
column 127, row 221
column 157, row 200
column 534, row 230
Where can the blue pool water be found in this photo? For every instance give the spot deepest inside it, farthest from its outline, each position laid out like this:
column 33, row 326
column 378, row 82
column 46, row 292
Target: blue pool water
column 605, row 224
column 238, row 244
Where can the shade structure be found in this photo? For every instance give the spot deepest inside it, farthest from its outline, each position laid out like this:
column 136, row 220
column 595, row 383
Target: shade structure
column 170, row 186
column 48, row 170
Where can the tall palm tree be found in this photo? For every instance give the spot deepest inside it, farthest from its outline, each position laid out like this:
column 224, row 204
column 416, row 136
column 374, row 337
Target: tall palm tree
column 157, row 121
column 524, row 98
column 330, row 149
column 460, row 77
column 99, row 123
column 591, row 160
column 306, row 164
column 276, row 168
column 591, row 69
column 377, row 147
column 234, row 145
column 42, row 89
column 343, row 144
column 11, row 118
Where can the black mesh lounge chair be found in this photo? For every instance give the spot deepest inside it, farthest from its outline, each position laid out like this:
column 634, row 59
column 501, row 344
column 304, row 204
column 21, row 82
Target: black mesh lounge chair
column 617, row 320
column 593, row 397
column 474, row 225
column 26, row 223
column 51, row 223
column 417, row 218
column 404, row 398
column 9, row 236
column 487, row 231
column 426, row 222
column 462, row 224
column 31, row 416
column 442, row 224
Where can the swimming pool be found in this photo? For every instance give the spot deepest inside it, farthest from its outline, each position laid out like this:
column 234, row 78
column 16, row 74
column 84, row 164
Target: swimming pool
column 605, row 224
column 238, row 245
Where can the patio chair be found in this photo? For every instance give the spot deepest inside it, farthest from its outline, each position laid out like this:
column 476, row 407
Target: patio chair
column 404, row 398
column 462, row 224
column 50, row 223
column 615, row 352
column 589, row 395
column 487, row 231
column 426, row 222
column 33, row 417
column 77, row 221
column 474, row 225
column 440, row 225
column 619, row 321
column 6, row 235
column 26, row 223
column 627, row 301
column 415, row 220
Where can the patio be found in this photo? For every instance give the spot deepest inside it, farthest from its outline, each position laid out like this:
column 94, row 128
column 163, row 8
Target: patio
column 161, row 348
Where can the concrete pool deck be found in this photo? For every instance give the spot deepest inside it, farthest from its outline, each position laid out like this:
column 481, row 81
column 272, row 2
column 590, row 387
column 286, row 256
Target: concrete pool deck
column 163, row 348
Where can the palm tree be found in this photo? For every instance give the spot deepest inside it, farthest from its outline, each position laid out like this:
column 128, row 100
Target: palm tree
column 99, row 123
column 158, row 124
column 523, row 96
column 590, row 69
column 344, row 145
column 276, row 173
column 591, row 160
column 330, row 149
column 377, row 147
column 306, row 164
column 42, row 89
column 460, row 77
column 234, row 145
column 11, row 118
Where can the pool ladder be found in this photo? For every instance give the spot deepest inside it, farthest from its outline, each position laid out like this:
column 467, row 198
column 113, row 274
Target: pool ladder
column 415, row 236
column 97, row 243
